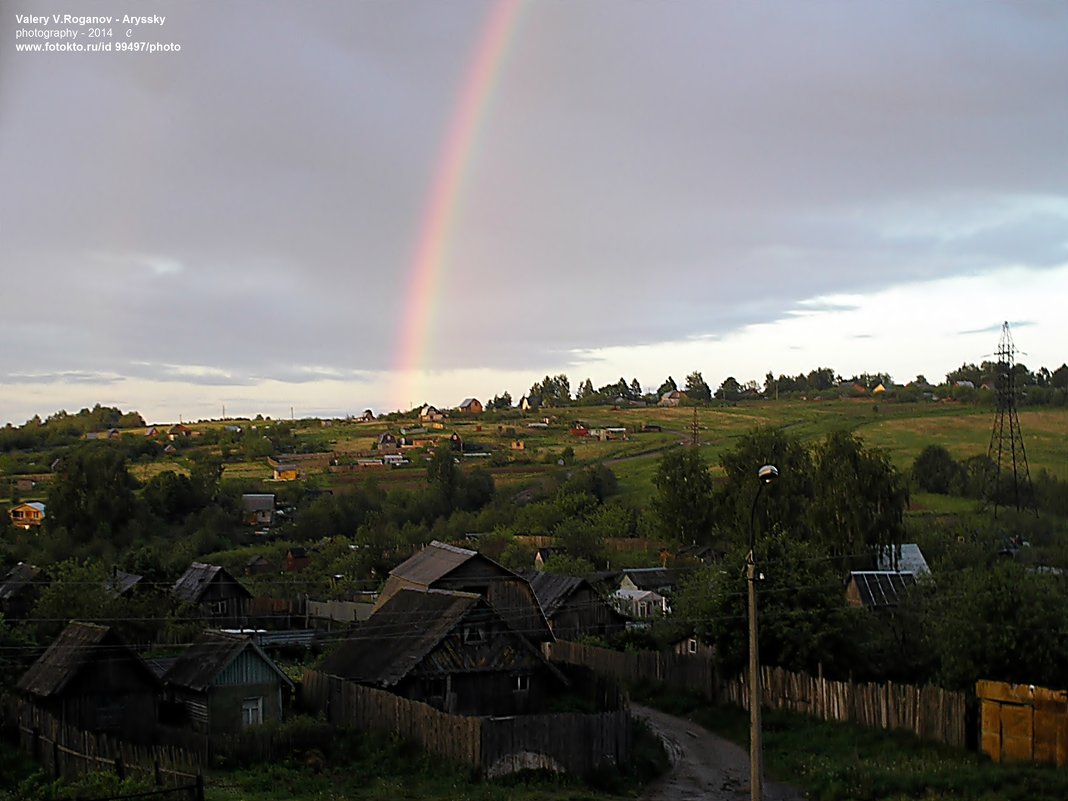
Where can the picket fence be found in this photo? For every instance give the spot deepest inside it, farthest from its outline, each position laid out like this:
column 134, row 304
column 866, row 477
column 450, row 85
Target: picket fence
column 931, row 713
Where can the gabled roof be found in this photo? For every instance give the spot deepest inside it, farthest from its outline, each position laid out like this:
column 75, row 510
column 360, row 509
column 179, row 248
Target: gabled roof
column 652, row 578
column 18, row 579
column 79, row 644
column 909, row 560
column 257, row 502
column 553, row 589
column 390, row 643
column 120, row 582
column 877, row 588
column 196, row 580
column 209, row 655
column 40, row 507
column 435, row 561
column 468, row 402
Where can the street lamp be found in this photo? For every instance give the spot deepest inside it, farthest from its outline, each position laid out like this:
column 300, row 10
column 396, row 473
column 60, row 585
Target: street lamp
column 766, row 474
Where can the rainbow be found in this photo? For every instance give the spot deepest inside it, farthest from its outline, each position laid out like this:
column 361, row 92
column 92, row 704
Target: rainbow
column 444, row 198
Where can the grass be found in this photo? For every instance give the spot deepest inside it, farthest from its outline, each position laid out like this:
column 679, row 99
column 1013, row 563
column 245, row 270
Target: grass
column 844, row 762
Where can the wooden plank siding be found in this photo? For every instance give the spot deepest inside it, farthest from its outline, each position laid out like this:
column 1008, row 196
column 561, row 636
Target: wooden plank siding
column 1023, row 723
column 496, row 746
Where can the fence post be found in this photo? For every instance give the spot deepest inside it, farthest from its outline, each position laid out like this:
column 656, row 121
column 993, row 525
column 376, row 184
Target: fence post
column 199, row 787
column 120, row 768
column 157, row 772
column 55, row 755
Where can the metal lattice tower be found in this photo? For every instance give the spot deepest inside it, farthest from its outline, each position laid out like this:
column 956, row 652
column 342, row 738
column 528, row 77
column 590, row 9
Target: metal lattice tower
column 1008, row 481
column 695, row 430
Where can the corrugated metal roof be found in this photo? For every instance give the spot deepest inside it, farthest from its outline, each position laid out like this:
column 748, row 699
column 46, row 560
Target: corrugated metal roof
column 553, row 590
column 209, row 656
column 909, row 560
column 257, row 502
column 78, row 645
column 877, row 588
column 432, row 563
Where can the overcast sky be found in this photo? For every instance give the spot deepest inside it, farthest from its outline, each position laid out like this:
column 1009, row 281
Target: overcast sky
column 651, row 188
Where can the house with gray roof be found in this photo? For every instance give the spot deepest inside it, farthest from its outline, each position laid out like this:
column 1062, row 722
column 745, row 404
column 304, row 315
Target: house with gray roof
column 222, row 598
column 89, row 678
column 878, row 589
column 224, row 683
column 449, row 649
column 574, row 608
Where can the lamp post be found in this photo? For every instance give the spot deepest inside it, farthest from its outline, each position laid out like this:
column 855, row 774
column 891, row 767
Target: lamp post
column 766, row 474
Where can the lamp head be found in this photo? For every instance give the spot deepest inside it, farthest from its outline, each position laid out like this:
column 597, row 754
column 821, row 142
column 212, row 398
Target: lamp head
column 768, row 473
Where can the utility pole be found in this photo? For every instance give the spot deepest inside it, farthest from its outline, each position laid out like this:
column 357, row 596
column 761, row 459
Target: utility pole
column 767, row 474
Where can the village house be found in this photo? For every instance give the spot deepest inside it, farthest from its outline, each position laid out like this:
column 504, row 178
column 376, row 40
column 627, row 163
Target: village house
column 90, row 679
column 906, row 558
column 224, row 683
column 672, row 399
column 285, row 472
column 213, row 589
column 661, row 580
column 27, row 515
column 445, row 567
column 574, row 609
column 641, row 605
column 178, row 431
column 297, row 559
column 257, row 565
column 120, row 584
column 430, row 414
column 257, row 508
column 367, row 417
column 878, row 589
column 449, row 649
column 471, row 406
column 19, row 591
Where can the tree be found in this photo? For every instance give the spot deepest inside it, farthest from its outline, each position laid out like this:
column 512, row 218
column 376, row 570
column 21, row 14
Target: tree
column 443, row 476
column 635, row 389
column 501, row 402
column 585, row 391
column 170, row 495
column 859, row 498
column 1059, row 379
column 684, row 497
column 669, row 385
column 729, row 390
column 935, row 470
column 92, row 493
column 696, row 388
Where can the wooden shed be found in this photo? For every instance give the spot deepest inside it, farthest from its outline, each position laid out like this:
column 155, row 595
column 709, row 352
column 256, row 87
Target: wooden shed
column 90, row 679
column 220, row 595
column 573, row 608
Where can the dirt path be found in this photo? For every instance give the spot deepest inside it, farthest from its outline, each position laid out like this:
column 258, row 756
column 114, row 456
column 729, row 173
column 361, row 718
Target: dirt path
column 705, row 766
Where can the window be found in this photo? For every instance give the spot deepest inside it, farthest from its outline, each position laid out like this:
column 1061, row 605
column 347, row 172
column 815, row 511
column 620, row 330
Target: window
column 217, row 608
column 474, row 634
column 251, row 712
column 521, row 683
column 691, row 645
column 435, row 688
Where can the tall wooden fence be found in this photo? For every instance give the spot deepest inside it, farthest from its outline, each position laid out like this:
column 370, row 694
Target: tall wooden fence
column 1023, row 723
column 571, row 743
column 929, row 712
column 68, row 752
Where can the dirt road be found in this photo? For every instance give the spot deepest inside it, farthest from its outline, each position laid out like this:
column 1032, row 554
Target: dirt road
column 705, row 766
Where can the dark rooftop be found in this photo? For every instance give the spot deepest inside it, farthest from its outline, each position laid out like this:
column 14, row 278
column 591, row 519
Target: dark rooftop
column 878, row 588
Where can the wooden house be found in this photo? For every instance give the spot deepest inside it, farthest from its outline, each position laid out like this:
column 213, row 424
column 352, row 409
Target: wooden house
column 213, row 589
column 285, row 472
column 257, row 565
column 445, row 567
column 90, row 679
column 471, row 406
column 120, row 584
column 573, row 608
column 431, row 414
column 257, row 508
column 297, row 559
column 367, row 417
column 19, row 591
column 672, row 399
column 878, row 589
column 27, row 515
column 641, row 604
column 451, row 650
column 178, row 431
column 661, row 580
column 691, row 646
column 224, row 683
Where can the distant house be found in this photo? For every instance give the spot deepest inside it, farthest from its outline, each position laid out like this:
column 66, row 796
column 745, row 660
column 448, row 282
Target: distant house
column 908, row 558
column 27, row 515
column 257, row 508
column 90, row 679
column 641, row 604
column 297, row 559
column 213, row 589
column 471, row 406
column 542, row 555
column 672, row 399
column 367, row 417
column 120, row 584
column 226, row 683
column 178, row 431
column 691, row 646
column 285, row 472
column 445, row 567
column 527, row 404
column 878, row 389
column 573, row 608
column 518, row 445
column 111, row 433
column 878, row 589
column 430, row 414
column 151, row 431
column 170, row 450
column 451, row 650
column 657, row 579
column 257, row 565
column 19, row 591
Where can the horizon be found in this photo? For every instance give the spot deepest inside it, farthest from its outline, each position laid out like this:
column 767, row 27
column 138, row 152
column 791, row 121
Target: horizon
column 376, row 207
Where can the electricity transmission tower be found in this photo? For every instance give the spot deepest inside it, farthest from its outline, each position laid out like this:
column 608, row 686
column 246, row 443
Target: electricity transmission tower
column 1008, row 480
column 695, row 430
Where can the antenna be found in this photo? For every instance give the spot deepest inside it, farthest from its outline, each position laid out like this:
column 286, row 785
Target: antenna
column 1007, row 447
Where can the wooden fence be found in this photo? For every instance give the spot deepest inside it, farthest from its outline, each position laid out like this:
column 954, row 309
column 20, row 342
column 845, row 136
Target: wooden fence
column 1023, row 723
column 68, row 752
column 929, row 712
column 571, row 743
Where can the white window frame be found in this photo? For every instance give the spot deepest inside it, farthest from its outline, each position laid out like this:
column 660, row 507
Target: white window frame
column 251, row 712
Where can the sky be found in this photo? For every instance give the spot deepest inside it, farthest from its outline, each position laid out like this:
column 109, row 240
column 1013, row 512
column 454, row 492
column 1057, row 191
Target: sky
column 311, row 209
